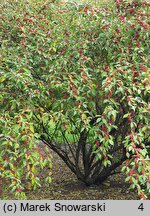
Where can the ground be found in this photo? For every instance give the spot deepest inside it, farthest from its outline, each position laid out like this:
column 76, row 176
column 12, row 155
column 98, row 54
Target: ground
column 66, row 186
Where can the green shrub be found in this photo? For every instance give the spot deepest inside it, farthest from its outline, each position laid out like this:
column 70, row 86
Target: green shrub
column 78, row 80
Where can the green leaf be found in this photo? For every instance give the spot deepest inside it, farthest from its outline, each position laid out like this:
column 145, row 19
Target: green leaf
column 2, row 79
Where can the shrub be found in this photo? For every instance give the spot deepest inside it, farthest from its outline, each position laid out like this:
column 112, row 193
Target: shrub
column 20, row 159
column 80, row 78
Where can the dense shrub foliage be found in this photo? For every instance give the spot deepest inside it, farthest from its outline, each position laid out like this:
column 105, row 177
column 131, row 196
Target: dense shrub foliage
column 77, row 78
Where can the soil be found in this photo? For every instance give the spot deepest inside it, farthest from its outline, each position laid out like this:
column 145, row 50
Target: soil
column 65, row 186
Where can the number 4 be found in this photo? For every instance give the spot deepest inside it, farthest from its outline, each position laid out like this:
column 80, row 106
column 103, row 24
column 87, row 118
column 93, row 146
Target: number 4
column 141, row 207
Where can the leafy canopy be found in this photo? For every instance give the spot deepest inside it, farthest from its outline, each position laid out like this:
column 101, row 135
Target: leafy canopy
column 77, row 78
